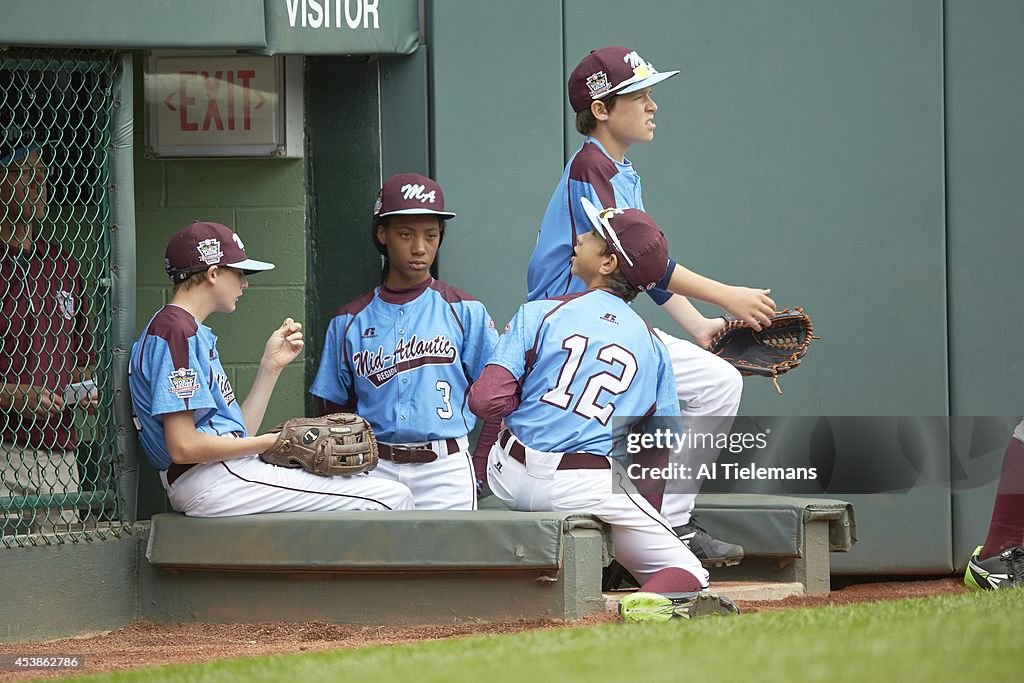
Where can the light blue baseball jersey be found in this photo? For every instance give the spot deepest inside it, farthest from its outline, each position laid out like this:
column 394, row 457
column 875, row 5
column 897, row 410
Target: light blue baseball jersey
column 581, row 361
column 408, row 359
column 590, row 173
column 175, row 367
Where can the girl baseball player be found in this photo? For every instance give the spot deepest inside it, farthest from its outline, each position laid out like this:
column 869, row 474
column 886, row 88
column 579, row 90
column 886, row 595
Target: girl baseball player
column 403, row 355
column 571, row 377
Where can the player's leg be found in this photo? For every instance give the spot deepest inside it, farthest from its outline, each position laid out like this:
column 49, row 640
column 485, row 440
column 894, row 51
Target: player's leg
column 710, row 388
column 16, row 462
column 446, row 483
column 999, row 563
column 509, row 482
column 248, row 485
column 59, row 475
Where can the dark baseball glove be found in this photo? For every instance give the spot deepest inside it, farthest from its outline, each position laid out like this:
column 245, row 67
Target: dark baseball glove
column 769, row 353
column 336, row 444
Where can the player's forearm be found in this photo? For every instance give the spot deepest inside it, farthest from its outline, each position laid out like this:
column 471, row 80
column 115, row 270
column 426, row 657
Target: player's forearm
column 685, row 282
column 495, row 393
column 254, row 407
column 188, row 446
column 684, row 314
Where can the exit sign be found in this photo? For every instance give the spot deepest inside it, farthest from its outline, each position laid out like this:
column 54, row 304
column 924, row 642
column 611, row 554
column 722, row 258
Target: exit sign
column 226, row 105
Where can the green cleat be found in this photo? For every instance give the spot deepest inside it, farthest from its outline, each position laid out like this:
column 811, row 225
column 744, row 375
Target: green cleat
column 640, row 606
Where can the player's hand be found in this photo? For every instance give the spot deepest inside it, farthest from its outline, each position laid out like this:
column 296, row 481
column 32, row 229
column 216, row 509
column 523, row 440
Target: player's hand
column 753, row 306
column 284, row 345
column 36, row 401
column 707, row 330
column 90, row 403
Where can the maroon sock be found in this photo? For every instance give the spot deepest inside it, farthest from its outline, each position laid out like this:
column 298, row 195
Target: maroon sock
column 1006, row 530
column 672, row 580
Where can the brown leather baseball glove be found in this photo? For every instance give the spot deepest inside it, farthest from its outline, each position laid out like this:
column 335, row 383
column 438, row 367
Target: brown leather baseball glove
column 337, row 444
column 769, row 353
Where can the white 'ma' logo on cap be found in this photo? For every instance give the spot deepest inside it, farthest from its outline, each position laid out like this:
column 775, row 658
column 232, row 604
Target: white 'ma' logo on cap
column 641, row 68
column 417, row 192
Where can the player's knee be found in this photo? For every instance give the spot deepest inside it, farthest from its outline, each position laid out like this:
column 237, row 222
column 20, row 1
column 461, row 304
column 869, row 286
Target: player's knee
column 724, row 394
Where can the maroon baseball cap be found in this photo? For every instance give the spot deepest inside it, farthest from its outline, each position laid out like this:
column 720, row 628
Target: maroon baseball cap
column 410, row 194
column 611, row 70
column 636, row 239
column 200, row 245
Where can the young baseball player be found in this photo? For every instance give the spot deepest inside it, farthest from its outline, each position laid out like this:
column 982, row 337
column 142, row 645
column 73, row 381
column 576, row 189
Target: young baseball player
column 570, row 376
column 191, row 424
column 610, row 91
column 404, row 354
column 999, row 563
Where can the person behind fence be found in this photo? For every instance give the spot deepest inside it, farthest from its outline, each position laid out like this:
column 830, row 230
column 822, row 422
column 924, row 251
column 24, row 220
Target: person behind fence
column 192, row 425
column 570, row 377
column 45, row 346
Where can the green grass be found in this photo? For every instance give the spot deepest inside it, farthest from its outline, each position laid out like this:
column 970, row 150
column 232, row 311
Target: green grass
column 946, row 638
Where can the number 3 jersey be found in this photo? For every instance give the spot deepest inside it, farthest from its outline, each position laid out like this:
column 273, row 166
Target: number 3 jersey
column 589, row 367
column 407, row 358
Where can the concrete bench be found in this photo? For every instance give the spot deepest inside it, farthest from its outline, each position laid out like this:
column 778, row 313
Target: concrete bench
column 372, row 567
column 785, row 538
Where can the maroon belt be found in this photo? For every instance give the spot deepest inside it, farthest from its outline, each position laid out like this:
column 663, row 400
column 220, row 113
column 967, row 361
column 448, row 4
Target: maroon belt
column 569, row 461
column 175, row 471
column 402, row 455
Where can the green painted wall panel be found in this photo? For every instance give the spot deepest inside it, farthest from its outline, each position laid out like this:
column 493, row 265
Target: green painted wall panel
column 497, row 138
column 405, row 115
column 985, row 148
column 129, row 23
column 801, row 149
column 67, row 590
column 344, row 142
column 985, row 111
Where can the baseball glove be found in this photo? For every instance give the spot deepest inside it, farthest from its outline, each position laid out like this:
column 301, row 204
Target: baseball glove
column 336, row 444
column 769, row 353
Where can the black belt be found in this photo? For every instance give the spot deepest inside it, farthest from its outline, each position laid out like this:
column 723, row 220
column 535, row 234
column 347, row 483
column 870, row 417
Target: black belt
column 569, row 461
column 175, row 471
column 409, row 454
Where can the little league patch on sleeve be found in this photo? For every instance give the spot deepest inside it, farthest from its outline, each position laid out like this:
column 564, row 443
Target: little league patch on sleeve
column 184, row 383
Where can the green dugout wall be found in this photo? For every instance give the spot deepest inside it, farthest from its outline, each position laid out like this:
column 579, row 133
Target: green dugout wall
column 861, row 159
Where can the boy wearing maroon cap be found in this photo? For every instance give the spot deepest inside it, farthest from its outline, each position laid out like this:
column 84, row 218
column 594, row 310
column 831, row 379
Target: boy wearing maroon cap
column 610, row 91
column 44, row 347
column 404, row 354
column 571, row 377
column 192, row 427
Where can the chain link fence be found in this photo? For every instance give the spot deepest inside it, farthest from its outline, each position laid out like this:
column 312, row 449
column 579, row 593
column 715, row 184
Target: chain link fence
column 58, row 458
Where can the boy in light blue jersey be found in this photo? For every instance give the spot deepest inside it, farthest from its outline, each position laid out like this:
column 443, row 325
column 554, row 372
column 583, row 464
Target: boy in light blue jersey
column 194, row 428
column 610, row 91
column 571, row 376
column 404, row 354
